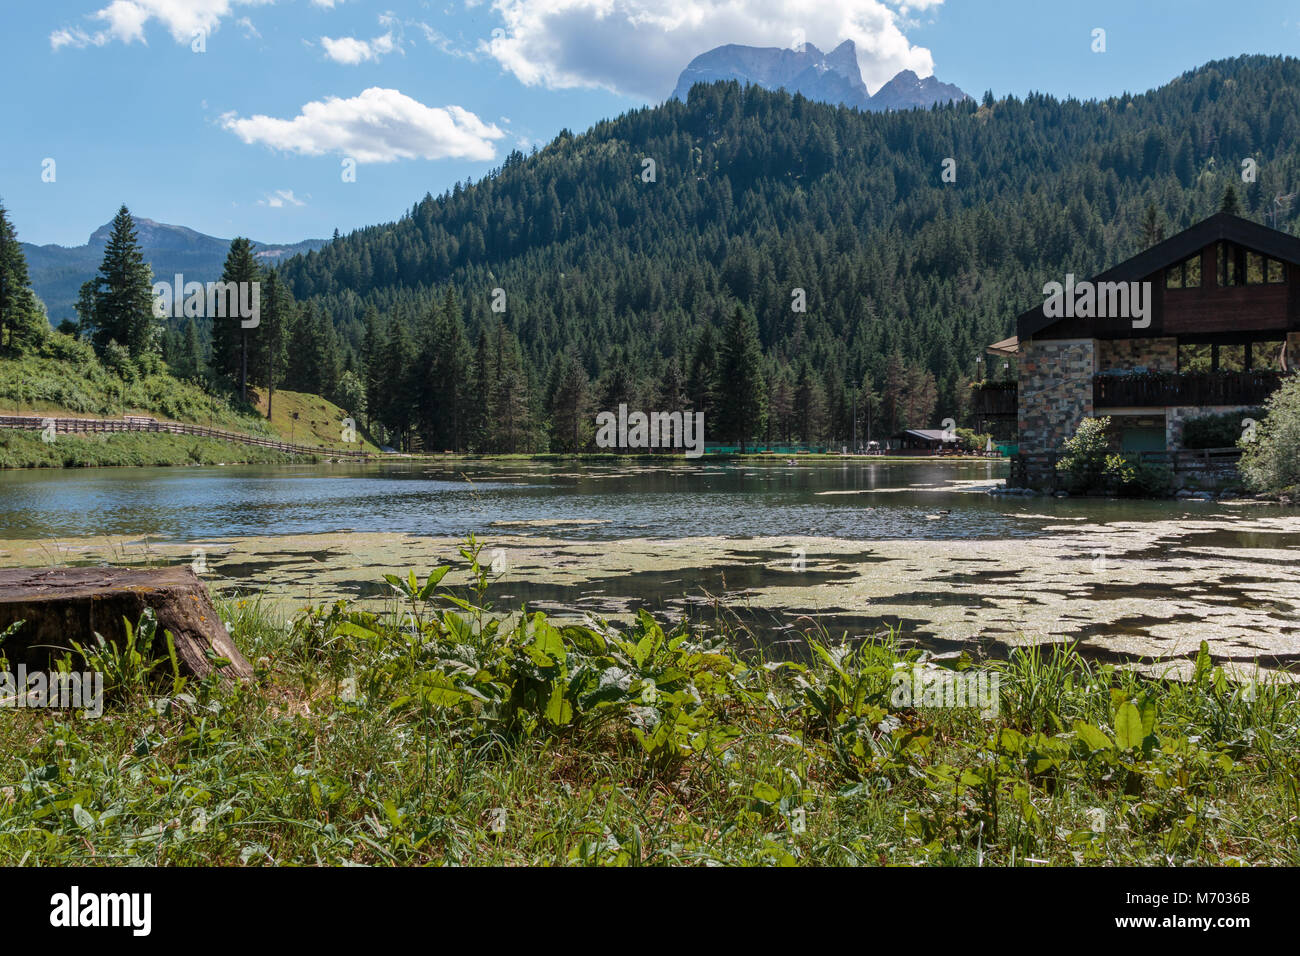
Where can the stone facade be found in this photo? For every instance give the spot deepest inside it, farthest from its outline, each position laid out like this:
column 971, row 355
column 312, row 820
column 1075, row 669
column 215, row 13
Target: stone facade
column 1055, row 391
column 1156, row 355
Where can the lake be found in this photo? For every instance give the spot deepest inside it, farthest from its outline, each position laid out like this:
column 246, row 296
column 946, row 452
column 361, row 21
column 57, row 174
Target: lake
column 847, row 546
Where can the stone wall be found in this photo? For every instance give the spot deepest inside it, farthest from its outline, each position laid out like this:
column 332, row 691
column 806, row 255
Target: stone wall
column 1293, row 350
column 1157, row 355
column 1055, row 391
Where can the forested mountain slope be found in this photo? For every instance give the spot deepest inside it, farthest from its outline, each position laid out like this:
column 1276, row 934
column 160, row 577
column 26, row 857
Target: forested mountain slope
column 756, row 194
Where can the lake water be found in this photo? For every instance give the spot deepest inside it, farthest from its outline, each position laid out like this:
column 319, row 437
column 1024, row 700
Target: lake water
column 848, row 546
column 853, row 500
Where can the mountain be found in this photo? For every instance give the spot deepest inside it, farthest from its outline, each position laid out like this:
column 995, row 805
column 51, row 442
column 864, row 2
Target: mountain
column 58, row 271
column 835, row 228
column 826, row 77
column 908, row 91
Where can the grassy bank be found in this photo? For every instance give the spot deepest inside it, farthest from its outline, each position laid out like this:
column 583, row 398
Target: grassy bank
column 307, row 419
column 66, row 379
column 25, row 449
column 445, row 733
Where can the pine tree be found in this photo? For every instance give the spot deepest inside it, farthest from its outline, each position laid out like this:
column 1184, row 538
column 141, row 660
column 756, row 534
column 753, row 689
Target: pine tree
column 22, row 320
column 303, row 373
column 124, row 294
column 893, row 395
column 451, row 375
column 1153, row 230
column 810, row 405
column 229, row 336
column 569, row 404
column 270, row 338
column 396, row 410
column 740, row 395
column 704, row 364
column 191, row 357
column 371, row 355
column 480, row 397
column 510, row 424
column 1230, row 204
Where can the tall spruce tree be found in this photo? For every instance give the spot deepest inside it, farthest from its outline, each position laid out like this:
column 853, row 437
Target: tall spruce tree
column 271, row 338
column 229, row 336
column 740, row 394
column 569, row 404
column 450, row 375
column 123, row 311
column 22, row 320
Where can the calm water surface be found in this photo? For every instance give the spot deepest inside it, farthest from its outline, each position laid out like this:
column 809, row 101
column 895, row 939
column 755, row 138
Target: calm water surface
column 847, row 500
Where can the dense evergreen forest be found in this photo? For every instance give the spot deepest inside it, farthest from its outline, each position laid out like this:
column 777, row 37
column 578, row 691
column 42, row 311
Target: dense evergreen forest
column 773, row 262
column 627, row 275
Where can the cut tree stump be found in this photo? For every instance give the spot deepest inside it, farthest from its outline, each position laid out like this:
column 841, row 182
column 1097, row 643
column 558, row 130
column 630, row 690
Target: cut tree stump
column 62, row 605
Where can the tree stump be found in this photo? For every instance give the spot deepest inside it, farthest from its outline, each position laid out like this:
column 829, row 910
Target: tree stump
column 62, row 605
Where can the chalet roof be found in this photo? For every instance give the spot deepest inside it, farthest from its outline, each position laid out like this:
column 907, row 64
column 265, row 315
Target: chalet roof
column 927, row 434
column 1219, row 227
column 1006, row 347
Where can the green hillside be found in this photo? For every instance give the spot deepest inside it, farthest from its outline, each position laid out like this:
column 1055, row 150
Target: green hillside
column 758, row 194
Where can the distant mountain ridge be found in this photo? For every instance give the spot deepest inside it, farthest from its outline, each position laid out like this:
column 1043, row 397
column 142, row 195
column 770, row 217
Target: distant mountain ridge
column 57, row 272
column 832, row 77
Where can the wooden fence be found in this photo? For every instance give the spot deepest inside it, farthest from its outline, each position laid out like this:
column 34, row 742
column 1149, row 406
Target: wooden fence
column 135, row 423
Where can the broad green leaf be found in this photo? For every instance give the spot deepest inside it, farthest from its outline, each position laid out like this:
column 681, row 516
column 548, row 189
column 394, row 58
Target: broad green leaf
column 1128, row 727
column 558, row 709
column 1094, row 737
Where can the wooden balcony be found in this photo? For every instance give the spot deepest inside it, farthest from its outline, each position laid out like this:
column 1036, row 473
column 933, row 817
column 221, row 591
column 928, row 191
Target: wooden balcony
column 992, row 400
column 1196, row 389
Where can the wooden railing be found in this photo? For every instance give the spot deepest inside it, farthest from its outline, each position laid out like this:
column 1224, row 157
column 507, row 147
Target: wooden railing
column 1197, row 389
column 81, row 426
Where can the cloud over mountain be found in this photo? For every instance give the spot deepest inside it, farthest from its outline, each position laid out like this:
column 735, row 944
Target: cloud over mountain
column 637, row 47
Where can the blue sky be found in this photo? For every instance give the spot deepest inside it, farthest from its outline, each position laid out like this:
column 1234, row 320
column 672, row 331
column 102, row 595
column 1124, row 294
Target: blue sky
column 250, row 135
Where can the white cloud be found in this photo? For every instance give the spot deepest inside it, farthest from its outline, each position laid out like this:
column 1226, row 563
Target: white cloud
column 280, row 198
column 351, row 51
column 250, row 31
column 125, row 20
column 638, row 47
column 379, row 126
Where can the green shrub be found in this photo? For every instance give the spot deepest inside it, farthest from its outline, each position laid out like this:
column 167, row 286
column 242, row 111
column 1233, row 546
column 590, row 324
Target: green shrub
column 1087, row 455
column 969, row 440
column 1271, row 463
column 1217, row 431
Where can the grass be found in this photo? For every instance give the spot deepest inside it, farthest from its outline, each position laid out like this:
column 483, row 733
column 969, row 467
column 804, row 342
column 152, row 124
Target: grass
column 25, row 449
column 66, row 379
column 443, row 732
column 319, row 422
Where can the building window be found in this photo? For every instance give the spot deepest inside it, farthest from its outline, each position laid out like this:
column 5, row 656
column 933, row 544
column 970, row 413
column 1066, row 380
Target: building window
column 1267, row 356
column 1194, row 358
column 1240, row 266
column 1232, row 358
column 1185, row 274
column 1254, row 269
